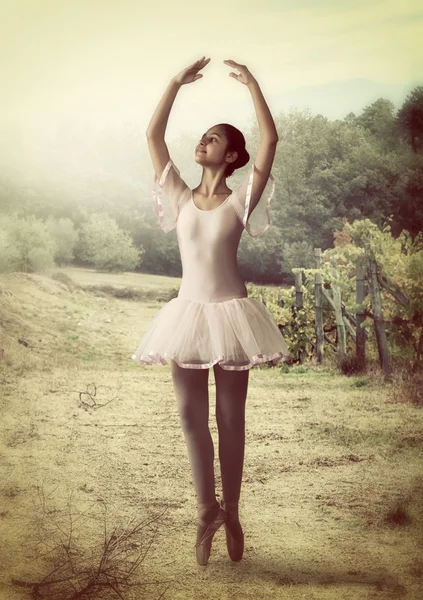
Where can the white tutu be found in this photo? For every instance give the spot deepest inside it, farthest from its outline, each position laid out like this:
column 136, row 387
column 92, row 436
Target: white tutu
column 237, row 333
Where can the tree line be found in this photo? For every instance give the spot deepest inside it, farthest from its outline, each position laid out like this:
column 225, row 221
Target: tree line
column 366, row 166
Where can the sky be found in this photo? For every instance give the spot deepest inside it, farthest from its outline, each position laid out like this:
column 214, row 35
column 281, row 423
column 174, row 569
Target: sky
column 106, row 62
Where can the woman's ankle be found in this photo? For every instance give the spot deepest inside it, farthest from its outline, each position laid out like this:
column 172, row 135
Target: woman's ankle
column 207, row 510
column 231, row 508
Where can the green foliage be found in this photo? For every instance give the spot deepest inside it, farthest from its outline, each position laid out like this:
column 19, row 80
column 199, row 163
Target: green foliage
column 261, row 259
column 410, row 119
column 378, row 118
column 399, row 260
column 298, row 254
column 25, row 245
column 299, row 370
column 104, row 245
column 296, row 325
column 367, row 166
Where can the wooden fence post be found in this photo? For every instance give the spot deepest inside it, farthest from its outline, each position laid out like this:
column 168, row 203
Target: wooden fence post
column 299, row 290
column 299, row 303
column 318, row 307
column 340, row 326
column 360, row 332
column 382, row 344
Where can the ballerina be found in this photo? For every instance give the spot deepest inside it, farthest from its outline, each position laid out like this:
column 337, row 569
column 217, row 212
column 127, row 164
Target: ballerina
column 212, row 322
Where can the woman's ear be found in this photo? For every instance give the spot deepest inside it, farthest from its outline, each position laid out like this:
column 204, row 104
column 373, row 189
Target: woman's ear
column 232, row 156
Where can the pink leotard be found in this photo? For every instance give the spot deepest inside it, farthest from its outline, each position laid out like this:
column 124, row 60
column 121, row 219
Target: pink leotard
column 209, row 239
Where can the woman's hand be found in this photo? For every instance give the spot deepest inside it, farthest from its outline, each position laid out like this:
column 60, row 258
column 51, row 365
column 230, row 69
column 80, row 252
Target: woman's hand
column 191, row 74
column 244, row 77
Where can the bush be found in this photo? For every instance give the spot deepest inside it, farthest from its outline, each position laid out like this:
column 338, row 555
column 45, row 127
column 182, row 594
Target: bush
column 103, row 244
column 25, row 245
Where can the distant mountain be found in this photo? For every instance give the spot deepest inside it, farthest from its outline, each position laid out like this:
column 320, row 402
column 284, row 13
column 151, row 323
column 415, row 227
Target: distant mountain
column 336, row 99
column 333, row 100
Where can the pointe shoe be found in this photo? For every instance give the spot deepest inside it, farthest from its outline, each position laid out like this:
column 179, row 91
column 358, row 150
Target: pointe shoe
column 203, row 545
column 234, row 533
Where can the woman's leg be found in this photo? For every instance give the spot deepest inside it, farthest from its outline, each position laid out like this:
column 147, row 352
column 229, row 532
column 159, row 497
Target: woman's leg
column 231, row 395
column 192, row 396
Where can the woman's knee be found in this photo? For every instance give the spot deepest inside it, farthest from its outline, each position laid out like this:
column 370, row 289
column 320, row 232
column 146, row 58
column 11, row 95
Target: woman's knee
column 230, row 417
column 231, row 395
column 191, row 391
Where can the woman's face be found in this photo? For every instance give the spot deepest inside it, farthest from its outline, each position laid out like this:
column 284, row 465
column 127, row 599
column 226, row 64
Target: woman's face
column 212, row 146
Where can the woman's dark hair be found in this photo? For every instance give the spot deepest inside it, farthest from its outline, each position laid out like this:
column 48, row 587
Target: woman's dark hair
column 236, row 143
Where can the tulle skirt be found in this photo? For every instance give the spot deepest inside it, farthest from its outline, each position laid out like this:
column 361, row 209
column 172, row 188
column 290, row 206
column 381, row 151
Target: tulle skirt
column 237, row 334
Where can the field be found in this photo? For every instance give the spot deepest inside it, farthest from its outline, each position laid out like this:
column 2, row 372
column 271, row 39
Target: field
column 91, row 447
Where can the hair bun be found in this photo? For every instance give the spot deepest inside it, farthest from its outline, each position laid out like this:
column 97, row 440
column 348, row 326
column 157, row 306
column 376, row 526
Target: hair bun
column 244, row 158
column 236, row 142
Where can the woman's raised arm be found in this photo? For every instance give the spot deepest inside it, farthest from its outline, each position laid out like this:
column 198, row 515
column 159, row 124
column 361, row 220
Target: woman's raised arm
column 268, row 134
column 156, row 129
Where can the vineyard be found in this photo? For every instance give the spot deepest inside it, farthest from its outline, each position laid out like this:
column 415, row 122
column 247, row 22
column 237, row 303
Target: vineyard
column 363, row 298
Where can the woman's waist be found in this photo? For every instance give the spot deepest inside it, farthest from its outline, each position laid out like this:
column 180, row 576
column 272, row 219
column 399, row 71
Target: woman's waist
column 201, row 292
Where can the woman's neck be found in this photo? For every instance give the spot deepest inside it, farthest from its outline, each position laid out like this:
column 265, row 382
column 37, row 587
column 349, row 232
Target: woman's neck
column 212, row 184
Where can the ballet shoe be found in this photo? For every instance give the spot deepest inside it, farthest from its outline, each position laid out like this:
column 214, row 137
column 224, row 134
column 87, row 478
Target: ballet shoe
column 234, row 533
column 205, row 538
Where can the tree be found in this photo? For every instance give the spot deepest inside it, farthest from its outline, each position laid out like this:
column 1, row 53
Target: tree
column 410, row 118
column 25, row 244
column 105, row 246
column 378, row 118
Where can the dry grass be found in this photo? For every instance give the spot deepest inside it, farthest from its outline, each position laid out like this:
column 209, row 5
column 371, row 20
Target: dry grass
column 407, row 387
column 72, row 565
column 332, row 493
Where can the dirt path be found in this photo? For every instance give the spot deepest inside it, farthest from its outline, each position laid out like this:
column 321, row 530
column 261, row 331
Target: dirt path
column 326, row 460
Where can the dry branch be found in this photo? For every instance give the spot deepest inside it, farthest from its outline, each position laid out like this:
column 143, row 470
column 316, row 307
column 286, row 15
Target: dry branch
column 79, row 572
column 93, row 404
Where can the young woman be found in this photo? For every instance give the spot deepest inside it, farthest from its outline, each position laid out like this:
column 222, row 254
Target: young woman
column 212, row 322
